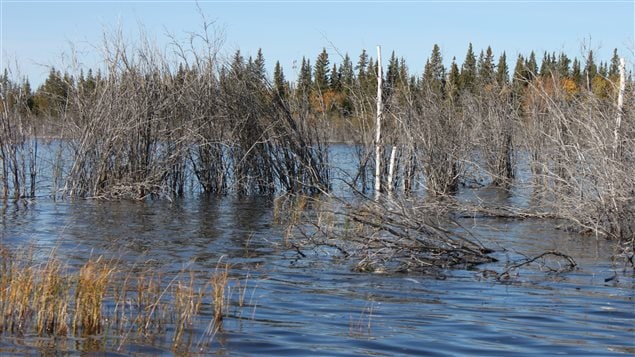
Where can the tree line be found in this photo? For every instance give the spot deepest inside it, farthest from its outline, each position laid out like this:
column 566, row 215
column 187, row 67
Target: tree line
column 329, row 88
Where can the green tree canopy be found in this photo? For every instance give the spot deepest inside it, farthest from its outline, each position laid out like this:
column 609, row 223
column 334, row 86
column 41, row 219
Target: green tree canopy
column 468, row 71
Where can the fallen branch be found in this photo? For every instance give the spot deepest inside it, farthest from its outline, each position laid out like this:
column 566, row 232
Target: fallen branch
column 570, row 266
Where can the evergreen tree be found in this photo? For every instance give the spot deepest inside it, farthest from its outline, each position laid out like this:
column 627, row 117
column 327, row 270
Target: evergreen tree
column 546, row 66
column 454, row 82
column 434, row 72
column 485, row 67
column 479, row 64
column 304, row 79
column 468, row 71
column 279, row 81
column 590, row 70
column 334, row 79
column 614, row 69
column 361, row 68
column 576, row 72
column 519, row 81
column 502, row 71
column 392, row 73
column 563, row 66
column 90, row 84
column 237, row 65
column 321, row 71
column 531, row 67
column 52, row 95
column 26, row 102
column 403, row 72
column 347, row 76
column 371, row 76
column 603, row 69
column 258, row 67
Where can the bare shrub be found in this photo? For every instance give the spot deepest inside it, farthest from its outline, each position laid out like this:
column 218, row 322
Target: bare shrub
column 580, row 176
column 18, row 146
column 391, row 235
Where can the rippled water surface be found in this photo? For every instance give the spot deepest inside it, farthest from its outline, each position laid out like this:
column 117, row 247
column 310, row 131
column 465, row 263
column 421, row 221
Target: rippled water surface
column 316, row 305
column 287, row 303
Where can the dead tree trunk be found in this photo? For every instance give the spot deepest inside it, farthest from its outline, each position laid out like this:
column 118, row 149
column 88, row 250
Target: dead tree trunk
column 380, row 109
column 620, row 107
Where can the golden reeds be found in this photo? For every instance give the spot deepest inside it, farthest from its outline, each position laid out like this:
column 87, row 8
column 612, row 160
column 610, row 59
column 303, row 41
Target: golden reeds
column 219, row 281
column 91, row 287
column 100, row 301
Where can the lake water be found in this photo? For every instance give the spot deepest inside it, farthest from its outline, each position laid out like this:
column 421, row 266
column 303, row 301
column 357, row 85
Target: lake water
column 316, row 305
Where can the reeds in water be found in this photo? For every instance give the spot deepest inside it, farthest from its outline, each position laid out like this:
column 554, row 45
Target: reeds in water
column 102, row 301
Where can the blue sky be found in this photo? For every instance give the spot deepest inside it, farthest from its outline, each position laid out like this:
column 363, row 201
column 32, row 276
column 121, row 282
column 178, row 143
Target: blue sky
column 37, row 34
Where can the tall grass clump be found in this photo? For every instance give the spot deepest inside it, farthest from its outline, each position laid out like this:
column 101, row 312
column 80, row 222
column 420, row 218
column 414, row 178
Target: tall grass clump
column 102, row 300
column 34, row 297
column 218, row 283
column 93, row 280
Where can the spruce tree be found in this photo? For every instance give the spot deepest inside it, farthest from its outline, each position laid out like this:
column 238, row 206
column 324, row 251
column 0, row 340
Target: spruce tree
column 237, row 65
column 279, row 81
column 54, row 92
column 321, row 71
column 334, row 79
column 434, row 72
column 347, row 76
column 26, row 104
column 304, row 80
column 576, row 72
column 614, row 69
column 563, row 66
column 403, row 72
column 259, row 67
column 486, row 73
column 392, row 72
column 545, row 66
column 531, row 67
column 361, row 68
column 502, row 71
column 468, row 71
column 454, row 82
column 519, row 81
column 590, row 70
column 603, row 69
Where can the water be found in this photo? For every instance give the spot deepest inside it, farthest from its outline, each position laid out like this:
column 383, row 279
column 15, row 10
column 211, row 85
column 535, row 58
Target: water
column 316, row 305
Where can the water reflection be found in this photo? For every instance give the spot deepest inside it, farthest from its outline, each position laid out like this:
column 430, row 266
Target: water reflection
column 317, row 305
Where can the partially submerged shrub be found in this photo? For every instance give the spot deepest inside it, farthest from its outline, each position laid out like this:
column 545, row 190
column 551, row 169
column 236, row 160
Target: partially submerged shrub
column 392, row 235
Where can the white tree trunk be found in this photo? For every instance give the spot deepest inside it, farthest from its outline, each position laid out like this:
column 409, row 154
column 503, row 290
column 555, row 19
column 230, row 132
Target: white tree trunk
column 620, row 106
column 391, row 168
column 380, row 110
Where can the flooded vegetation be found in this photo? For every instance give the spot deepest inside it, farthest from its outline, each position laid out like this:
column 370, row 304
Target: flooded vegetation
column 189, row 204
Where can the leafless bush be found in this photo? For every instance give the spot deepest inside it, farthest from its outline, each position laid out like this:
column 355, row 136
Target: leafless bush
column 389, row 235
column 493, row 118
column 152, row 123
column 18, row 146
column 581, row 175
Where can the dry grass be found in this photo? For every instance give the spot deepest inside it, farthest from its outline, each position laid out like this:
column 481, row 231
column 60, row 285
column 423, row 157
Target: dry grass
column 93, row 280
column 219, row 282
column 102, row 301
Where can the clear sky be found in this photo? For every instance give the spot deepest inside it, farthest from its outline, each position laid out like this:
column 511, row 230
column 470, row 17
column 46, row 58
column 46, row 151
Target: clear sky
column 36, row 34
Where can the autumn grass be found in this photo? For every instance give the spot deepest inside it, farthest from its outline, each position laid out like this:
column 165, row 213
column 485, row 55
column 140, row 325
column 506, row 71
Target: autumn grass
column 93, row 280
column 102, row 301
